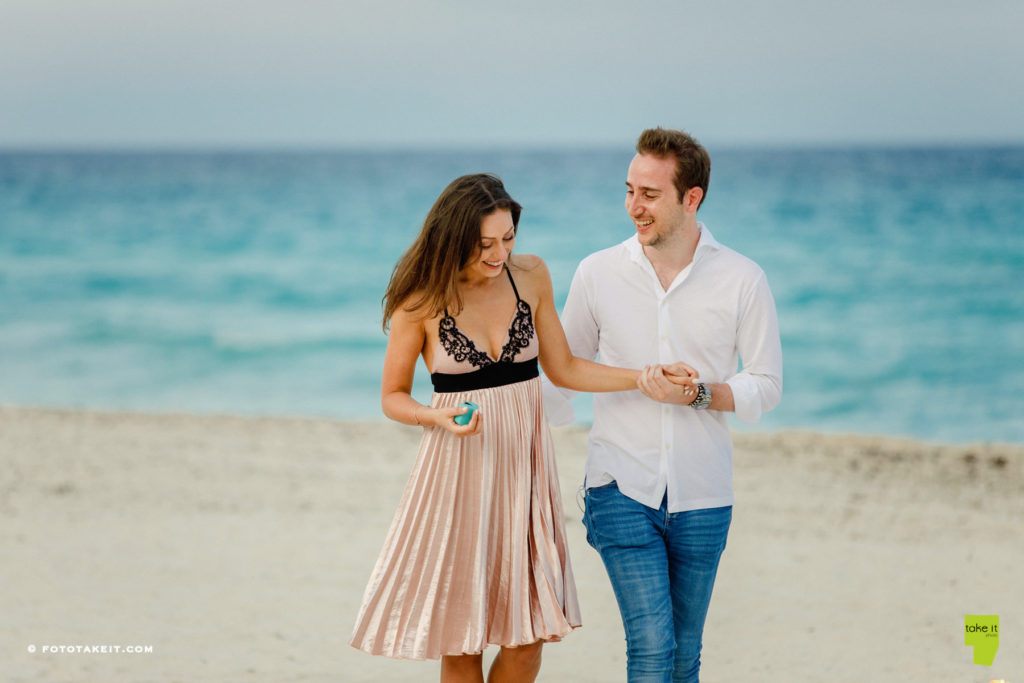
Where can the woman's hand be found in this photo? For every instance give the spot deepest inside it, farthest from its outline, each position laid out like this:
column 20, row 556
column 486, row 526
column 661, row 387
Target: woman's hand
column 680, row 373
column 444, row 418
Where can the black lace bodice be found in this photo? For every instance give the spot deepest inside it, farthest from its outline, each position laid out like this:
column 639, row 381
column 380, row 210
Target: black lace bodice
column 462, row 349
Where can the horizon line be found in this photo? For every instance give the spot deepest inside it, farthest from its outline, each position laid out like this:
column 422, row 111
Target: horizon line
column 464, row 147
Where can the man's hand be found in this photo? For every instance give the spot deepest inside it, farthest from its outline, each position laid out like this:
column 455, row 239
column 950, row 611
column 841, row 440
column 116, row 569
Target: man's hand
column 675, row 383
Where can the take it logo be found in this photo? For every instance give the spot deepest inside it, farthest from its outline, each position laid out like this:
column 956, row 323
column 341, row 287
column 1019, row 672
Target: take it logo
column 982, row 631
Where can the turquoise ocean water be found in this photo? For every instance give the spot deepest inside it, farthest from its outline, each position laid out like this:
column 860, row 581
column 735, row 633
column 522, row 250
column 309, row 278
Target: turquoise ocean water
column 251, row 282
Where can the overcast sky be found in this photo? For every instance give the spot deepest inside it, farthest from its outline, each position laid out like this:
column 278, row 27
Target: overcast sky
column 463, row 73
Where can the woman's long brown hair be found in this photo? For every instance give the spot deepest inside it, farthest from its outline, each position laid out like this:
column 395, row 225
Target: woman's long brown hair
column 424, row 279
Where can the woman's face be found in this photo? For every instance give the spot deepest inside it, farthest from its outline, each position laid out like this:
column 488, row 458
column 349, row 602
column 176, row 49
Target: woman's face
column 497, row 237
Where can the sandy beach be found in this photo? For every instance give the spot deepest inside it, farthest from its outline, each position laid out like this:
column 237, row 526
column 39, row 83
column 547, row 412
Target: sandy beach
column 238, row 549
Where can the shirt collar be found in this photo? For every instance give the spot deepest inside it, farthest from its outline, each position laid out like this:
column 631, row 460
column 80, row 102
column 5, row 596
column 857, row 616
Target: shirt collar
column 705, row 242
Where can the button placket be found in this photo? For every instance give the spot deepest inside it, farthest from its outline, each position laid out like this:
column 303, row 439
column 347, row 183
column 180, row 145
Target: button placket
column 664, row 356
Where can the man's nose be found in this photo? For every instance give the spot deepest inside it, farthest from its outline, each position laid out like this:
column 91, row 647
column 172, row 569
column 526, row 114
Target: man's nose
column 633, row 205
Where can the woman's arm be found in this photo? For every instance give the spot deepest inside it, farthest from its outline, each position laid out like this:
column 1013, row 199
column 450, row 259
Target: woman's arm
column 405, row 344
column 561, row 367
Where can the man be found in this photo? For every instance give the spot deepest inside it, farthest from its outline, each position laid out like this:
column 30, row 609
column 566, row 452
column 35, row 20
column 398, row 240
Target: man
column 659, row 474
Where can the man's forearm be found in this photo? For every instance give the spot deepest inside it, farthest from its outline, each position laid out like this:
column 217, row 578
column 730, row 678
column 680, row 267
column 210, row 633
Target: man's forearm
column 721, row 398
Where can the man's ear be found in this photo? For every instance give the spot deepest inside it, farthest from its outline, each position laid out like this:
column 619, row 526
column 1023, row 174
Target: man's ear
column 691, row 200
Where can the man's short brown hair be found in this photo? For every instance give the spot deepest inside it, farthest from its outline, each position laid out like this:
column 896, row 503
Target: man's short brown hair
column 693, row 165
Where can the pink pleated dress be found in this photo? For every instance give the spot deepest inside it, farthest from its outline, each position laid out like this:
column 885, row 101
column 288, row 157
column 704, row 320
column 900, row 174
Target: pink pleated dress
column 476, row 554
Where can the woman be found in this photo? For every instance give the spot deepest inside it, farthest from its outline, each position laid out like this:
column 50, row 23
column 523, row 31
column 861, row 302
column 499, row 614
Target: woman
column 476, row 553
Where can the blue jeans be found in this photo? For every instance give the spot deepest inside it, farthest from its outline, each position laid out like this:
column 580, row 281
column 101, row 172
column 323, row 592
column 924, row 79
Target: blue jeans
column 662, row 567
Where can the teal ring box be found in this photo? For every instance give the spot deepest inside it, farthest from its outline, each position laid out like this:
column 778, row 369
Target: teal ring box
column 468, row 415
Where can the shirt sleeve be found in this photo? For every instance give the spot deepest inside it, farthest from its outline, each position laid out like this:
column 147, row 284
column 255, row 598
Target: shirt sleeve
column 757, row 388
column 582, row 332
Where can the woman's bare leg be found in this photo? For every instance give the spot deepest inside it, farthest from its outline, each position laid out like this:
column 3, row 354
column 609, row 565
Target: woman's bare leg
column 462, row 669
column 516, row 664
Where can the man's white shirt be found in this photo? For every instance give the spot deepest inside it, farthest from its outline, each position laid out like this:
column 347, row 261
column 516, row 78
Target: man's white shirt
column 717, row 311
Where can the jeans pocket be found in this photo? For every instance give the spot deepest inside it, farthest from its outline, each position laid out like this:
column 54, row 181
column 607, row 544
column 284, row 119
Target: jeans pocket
column 594, row 498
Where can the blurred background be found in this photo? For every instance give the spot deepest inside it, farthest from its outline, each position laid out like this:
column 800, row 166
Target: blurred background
column 201, row 203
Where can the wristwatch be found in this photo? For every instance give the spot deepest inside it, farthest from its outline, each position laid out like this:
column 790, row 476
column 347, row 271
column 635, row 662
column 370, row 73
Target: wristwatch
column 703, row 399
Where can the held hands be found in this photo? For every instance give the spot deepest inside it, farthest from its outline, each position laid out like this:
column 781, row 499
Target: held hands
column 675, row 383
column 444, row 417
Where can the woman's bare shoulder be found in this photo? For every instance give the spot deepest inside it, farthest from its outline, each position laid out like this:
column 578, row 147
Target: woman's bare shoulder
column 530, row 265
column 532, row 273
column 415, row 310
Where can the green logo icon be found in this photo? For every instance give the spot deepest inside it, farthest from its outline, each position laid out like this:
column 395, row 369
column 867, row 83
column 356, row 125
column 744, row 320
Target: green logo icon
column 982, row 632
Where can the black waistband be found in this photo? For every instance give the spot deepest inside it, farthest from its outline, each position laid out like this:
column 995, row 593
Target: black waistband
column 496, row 375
